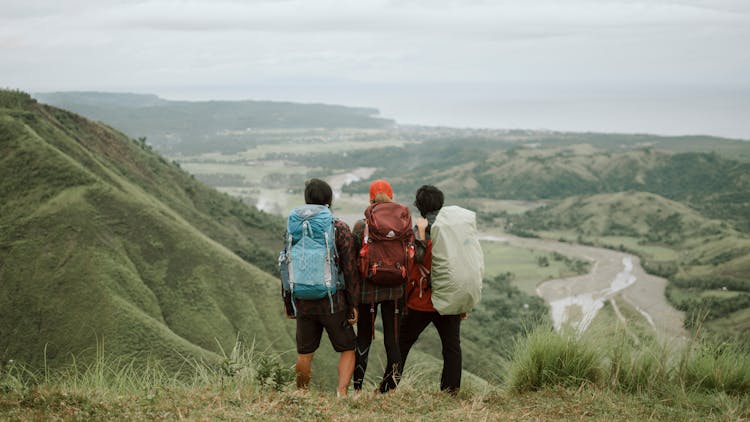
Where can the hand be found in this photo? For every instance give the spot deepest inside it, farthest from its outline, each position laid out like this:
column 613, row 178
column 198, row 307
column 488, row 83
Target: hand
column 464, row 316
column 422, row 227
column 354, row 317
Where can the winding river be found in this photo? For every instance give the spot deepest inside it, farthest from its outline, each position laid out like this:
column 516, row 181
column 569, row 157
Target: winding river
column 575, row 301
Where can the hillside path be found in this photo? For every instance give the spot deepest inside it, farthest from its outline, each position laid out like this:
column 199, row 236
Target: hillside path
column 576, row 300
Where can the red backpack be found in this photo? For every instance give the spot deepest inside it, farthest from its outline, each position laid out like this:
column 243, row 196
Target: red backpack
column 387, row 247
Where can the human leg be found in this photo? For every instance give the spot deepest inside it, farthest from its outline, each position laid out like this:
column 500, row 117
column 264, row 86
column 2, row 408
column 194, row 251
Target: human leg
column 309, row 332
column 343, row 341
column 449, row 329
column 412, row 325
column 367, row 314
column 303, row 369
column 392, row 374
column 346, row 369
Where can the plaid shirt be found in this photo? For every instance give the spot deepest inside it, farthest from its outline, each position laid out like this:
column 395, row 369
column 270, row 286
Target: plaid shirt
column 343, row 299
column 369, row 292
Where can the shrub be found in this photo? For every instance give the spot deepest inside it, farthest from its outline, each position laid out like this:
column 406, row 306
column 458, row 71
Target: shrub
column 546, row 358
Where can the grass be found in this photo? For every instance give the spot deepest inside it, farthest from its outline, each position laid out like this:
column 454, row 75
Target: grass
column 609, row 358
column 214, row 403
column 738, row 321
column 579, row 380
column 102, row 238
column 654, row 252
column 524, row 265
column 543, row 359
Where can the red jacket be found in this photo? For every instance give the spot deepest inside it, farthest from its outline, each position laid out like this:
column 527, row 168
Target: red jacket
column 418, row 287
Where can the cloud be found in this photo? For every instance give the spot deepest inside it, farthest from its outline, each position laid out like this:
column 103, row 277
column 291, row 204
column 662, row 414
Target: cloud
column 162, row 44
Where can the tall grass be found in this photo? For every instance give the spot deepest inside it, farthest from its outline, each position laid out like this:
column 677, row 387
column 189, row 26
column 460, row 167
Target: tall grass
column 707, row 366
column 637, row 365
column 573, row 377
column 243, row 367
column 546, row 359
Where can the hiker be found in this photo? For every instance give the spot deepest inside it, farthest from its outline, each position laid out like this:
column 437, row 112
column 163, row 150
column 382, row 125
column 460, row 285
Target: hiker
column 386, row 241
column 320, row 282
column 420, row 310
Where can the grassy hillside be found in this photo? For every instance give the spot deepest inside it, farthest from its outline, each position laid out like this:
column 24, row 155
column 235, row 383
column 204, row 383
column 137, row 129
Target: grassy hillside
column 104, row 240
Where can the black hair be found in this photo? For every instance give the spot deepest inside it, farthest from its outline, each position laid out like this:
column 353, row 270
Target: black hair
column 318, row 192
column 428, row 199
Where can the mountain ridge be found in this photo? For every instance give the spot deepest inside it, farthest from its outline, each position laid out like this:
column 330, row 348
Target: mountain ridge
column 95, row 251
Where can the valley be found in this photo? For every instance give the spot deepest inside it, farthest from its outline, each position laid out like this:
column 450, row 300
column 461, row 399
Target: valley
column 679, row 205
column 564, row 215
column 575, row 300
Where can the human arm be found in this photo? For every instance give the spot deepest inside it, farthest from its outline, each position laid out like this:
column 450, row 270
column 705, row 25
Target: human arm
column 420, row 240
column 286, row 296
column 347, row 247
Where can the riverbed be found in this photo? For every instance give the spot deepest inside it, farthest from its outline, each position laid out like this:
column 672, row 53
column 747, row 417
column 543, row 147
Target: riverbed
column 575, row 301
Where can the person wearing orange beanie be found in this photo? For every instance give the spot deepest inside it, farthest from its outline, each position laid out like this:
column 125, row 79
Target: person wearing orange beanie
column 373, row 292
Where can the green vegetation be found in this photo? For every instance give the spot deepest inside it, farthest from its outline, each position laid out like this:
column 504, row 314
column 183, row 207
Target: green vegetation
column 103, row 239
column 554, row 376
column 697, row 254
column 632, row 364
column 526, row 268
column 680, row 203
column 545, row 359
column 208, row 126
column 104, row 242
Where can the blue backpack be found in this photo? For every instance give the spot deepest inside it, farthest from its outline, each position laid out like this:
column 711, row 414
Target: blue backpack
column 309, row 261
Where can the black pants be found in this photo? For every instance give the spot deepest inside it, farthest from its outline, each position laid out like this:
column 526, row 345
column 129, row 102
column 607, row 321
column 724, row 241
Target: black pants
column 367, row 315
column 449, row 329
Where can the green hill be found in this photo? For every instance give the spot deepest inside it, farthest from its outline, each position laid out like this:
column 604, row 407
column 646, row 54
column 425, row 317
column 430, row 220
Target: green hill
column 205, row 126
column 102, row 239
column 717, row 187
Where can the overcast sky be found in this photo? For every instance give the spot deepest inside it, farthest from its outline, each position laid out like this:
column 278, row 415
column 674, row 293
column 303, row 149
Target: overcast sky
column 659, row 66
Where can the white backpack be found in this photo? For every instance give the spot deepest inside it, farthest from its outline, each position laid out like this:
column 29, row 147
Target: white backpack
column 457, row 261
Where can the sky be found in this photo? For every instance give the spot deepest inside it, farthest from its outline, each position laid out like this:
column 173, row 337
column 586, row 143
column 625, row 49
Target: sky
column 657, row 66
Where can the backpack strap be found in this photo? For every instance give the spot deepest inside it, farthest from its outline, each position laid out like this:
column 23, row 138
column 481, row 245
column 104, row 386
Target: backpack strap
column 372, row 317
column 327, row 270
column 291, row 272
column 367, row 233
column 424, row 278
column 396, row 315
column 336, row 257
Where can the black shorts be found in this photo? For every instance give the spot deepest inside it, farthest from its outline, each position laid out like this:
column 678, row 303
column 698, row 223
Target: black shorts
column 310, row 330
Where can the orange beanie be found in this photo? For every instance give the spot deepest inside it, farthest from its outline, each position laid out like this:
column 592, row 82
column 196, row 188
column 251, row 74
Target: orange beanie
column 380, row 186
